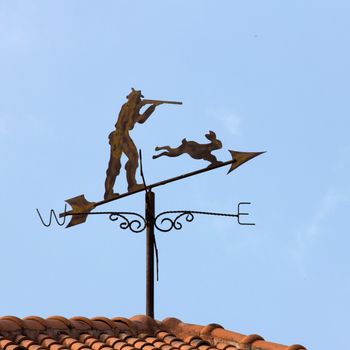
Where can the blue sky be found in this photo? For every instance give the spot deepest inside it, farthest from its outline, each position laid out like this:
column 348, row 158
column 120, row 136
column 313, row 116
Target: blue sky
column 266, row 76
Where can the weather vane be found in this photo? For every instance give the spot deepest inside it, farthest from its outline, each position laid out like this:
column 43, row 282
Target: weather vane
column 121, row 143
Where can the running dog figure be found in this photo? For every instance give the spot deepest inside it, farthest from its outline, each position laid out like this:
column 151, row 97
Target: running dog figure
column 194, row 149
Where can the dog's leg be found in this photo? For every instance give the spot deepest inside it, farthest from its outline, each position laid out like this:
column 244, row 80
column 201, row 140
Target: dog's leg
column 171, row 152
column 160, row 154
column 212, row 159
column 168, row 148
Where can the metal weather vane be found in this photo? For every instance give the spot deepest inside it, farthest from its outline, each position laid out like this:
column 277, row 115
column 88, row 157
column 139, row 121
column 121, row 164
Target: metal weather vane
column 121, row 143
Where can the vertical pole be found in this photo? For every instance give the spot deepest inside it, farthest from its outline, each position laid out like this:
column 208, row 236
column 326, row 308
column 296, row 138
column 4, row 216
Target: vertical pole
column 150, row 253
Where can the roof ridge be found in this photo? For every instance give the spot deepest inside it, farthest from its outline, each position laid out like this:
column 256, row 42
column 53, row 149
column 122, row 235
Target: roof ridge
column 186, row 334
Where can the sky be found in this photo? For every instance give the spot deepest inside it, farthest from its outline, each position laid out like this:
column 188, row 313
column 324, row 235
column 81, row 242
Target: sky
column 265, row 76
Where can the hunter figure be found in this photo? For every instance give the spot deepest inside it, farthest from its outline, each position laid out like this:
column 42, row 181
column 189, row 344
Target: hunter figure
column 121, row 142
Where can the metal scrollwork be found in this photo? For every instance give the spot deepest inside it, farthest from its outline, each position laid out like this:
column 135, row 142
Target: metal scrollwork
column 136, row 225
column 166, row 224
column 172, row 223
column 162, row 221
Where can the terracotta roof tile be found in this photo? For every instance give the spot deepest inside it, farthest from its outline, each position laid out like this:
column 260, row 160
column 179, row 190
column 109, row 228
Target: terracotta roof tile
column 137, row 333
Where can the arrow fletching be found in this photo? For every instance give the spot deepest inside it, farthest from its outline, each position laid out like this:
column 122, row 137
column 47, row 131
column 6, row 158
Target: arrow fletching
column 241, row 157
column 79, row 204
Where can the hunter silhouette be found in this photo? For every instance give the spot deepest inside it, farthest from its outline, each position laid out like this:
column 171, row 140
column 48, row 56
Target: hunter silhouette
column 121, row 142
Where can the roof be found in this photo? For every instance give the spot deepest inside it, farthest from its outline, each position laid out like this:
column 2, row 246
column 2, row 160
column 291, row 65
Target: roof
column 139, row 332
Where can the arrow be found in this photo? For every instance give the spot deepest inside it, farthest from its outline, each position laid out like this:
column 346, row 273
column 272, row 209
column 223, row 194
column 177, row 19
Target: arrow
column 81, row 207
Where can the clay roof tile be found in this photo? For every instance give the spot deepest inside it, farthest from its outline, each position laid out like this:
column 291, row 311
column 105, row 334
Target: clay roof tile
column 39, row 321
column 223, row 346
column 171, row 322
column 185, row 346
column 25, row 342
column 126, row 347
column 106, row 320
column 150, row 339
column 100, row 346
column 168, row 339
column 137, row 333
column 162, row 334
column 35, row 347
column 63, row 322
column 124, row 321
column 8, row 325
column 250, row 339
column 57, row 347
column 166, row 347
column 118, row 345
column 296, row 347
column 48, row 343
column 13, row 319
column 148, row 347
column 158, row 344
column 140, row 344
column 82, row 319
column 110, row 340
column 4, row 343
column 206, row 331
column 177, row 343
column 131, row 340
column 197, row 342
column 14, row 347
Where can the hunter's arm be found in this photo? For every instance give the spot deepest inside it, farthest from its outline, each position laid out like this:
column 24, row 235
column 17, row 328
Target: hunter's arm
column 146, row 114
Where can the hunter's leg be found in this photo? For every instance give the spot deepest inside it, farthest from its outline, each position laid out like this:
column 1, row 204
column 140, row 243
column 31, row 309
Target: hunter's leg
column 111, row 174
column 131, row 165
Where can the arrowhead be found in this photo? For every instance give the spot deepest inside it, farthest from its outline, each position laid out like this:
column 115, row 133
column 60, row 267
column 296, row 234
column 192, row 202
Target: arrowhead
column 241, row 157
column 79, row 204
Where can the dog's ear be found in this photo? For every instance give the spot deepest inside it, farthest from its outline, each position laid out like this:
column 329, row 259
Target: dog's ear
column 211, row 136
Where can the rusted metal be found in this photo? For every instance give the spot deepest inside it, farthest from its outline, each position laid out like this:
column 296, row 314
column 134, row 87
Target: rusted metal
column 121, row 142
column 166, row 224
column 238, row 158
column 159, row 102
column 240, row 214
column 137, row 223
column 150, row 253
column 53, row 216
column 194, row 149
column 79, row 205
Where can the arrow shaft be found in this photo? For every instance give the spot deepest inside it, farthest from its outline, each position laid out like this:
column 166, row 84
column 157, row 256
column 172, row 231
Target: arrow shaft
column 80, row 205
column 164, row 182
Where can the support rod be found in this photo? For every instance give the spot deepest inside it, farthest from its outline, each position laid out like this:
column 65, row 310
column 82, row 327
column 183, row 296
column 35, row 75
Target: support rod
column 150, row 214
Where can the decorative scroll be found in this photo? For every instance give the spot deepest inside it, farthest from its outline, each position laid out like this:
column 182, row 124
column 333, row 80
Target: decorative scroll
column 170, row 223
column 162, row 221
column 136, row 225
column 166, row 224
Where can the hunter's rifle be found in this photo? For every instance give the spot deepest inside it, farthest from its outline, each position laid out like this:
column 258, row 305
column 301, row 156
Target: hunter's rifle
column 146, row 102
